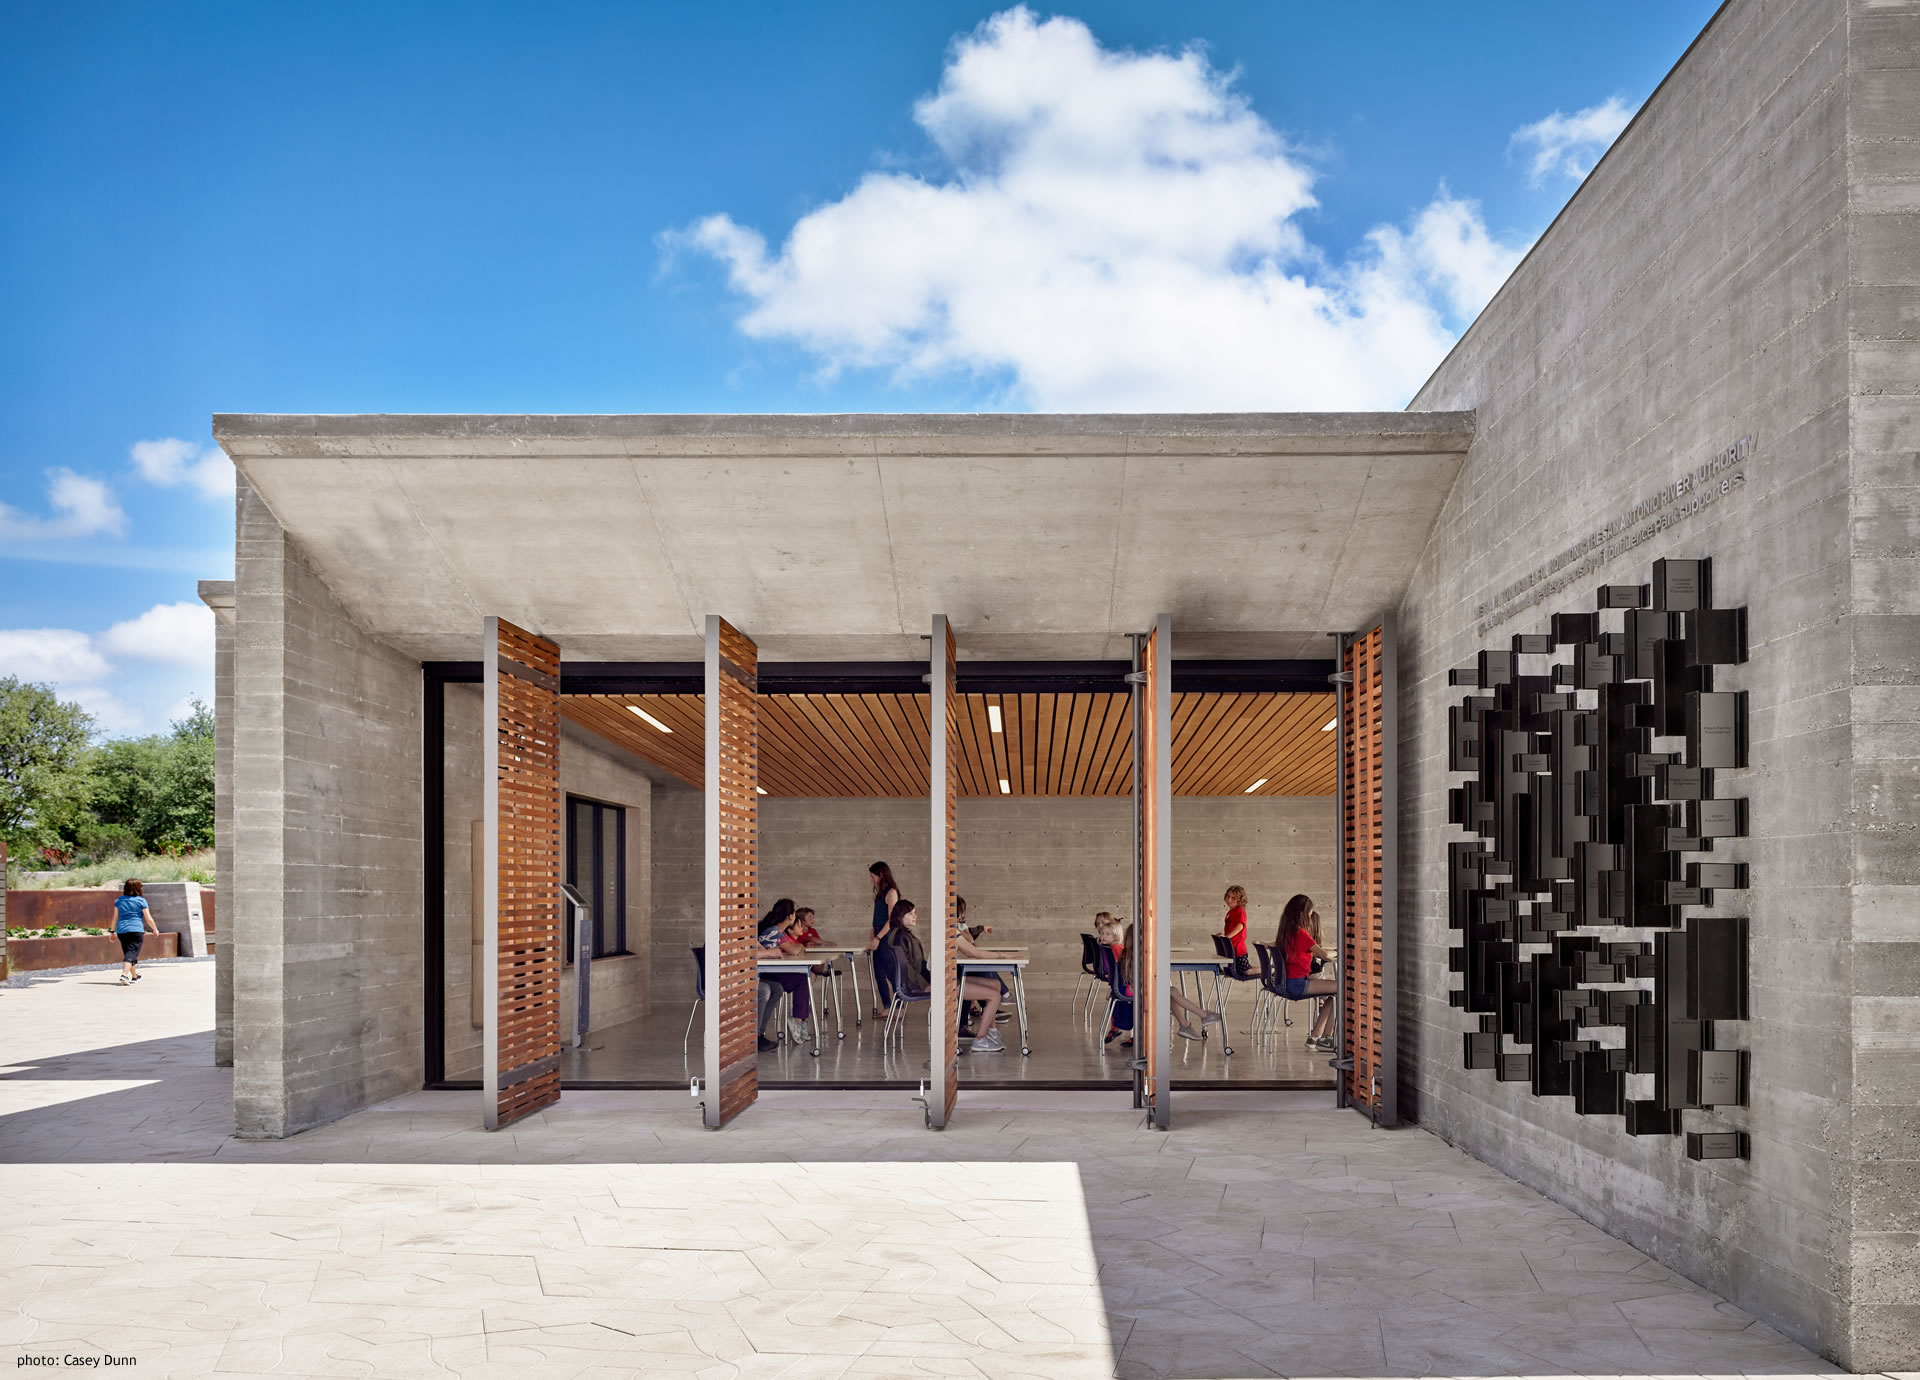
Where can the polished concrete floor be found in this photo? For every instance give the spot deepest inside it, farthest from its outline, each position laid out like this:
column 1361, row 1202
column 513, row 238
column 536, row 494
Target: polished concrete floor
column 1064, row 1053
column 821, row 1235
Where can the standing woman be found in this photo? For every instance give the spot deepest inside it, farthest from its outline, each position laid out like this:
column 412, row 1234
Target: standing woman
column 132, row 923
column 886, row 895
column 1297, row 953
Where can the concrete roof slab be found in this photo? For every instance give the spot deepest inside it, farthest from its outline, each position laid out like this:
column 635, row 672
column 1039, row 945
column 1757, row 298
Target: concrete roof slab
column 838, row 536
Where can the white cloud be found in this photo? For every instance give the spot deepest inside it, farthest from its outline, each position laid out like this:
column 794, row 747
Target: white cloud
column 1115, row 231
column 82, row 507
column 50, row 654
column 179, row 633
column 82, row 667
column 1571, row 144
column 172, row 461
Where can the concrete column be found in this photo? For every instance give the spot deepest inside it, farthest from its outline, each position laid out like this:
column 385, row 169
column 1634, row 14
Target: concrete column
column 326, row 911
column 1882, row 1156
column 218, row 596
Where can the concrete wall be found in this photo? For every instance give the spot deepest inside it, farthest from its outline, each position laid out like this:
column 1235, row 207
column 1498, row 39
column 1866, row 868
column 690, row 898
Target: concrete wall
column 1882, row 1152
column 218, row 596
column 1696, row 290
column 325, row 913
column 589, row 766
column 1034, row 869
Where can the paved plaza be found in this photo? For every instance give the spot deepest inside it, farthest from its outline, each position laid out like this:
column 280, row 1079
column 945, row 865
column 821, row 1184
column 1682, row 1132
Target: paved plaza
column 824, row 1234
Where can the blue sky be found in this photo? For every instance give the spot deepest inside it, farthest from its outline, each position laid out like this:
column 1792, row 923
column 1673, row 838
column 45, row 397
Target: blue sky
column 593, row 208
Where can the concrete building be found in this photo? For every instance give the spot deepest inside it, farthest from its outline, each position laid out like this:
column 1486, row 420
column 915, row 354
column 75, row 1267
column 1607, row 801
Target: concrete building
column 1711, row 354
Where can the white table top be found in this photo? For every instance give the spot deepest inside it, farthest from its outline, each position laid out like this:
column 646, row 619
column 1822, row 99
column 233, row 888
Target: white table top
column 1008, row 962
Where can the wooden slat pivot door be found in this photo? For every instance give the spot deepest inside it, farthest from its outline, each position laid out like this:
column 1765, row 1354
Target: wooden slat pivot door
column 1369, row 800
column 943, row 1034
column 521, row 836
column 1153, row 831
column 732, row 890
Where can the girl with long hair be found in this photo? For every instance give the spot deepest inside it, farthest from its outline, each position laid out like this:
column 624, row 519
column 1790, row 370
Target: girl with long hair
column 1298, row 950
column 1188, row 1017
column 774, row 937
column 886, row 895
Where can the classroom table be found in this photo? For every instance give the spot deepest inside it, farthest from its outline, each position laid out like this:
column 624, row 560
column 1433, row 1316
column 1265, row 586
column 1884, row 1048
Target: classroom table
column 827, row 951
column 1007, row 961
column 1194, row 961
column 803, row 964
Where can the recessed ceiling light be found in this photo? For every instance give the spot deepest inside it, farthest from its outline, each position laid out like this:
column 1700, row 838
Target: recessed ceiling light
column 1256, row 786
column 993, row 717
column 649, row 718
column 761, row 789
column 1005, row 789
column 1330, row 724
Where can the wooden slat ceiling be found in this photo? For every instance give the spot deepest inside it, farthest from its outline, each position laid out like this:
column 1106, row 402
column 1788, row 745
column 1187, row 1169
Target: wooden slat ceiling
column 1066, row 744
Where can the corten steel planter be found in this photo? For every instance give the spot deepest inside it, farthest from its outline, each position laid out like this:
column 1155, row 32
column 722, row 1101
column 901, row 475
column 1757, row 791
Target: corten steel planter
column 93, row 907
column 36, row 955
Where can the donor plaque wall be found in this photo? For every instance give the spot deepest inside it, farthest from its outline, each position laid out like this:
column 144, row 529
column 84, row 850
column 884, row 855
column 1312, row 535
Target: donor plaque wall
column 1598, row 794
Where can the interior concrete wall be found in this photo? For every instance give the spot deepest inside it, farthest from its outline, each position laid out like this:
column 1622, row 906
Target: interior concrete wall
column 1698, row 289
column 1882, row 1151
column 589, row 766
column 325, row 909
column 1036, row 870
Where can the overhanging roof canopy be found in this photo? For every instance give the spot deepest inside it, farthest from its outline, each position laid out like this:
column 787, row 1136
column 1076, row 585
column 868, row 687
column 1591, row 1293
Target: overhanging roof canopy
column 839, row 536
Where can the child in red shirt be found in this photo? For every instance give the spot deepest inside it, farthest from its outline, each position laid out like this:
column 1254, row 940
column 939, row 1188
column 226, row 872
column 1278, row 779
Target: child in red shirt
column 1298, row 950
column 1234, row 929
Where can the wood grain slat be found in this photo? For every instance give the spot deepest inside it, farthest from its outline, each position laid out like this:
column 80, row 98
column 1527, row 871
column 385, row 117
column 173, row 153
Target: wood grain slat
column 1068, row 744
column 527, row 921
column 1363, row 806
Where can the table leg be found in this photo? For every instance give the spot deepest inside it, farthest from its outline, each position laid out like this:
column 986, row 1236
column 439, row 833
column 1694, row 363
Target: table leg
column 1220, row 992
column 1020, row 1007
column 813, row 1000
column 839, row 1022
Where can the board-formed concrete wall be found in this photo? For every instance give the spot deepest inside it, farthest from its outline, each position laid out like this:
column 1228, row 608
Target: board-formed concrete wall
column 589, row 766
column 1883, row 333
column 218, row 596
column 325, row 911
column 1034, row 869
column 1716, row 278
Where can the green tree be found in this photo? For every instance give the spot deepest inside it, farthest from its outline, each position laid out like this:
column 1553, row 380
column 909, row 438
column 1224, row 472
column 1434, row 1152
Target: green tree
column 153, row 794
column 184, row 805
column 43, row 742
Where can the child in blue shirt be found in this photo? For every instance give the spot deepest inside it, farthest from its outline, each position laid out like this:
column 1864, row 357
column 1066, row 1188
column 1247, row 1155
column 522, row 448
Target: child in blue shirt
column 132, row 923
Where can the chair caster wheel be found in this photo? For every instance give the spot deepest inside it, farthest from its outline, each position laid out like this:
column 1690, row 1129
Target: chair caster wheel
column 1024, row 1051
column 1229, row 1051
column 840, row 1035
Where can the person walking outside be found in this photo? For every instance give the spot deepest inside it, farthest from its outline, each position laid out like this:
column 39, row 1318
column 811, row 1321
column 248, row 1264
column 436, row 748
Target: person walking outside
column 132, row 923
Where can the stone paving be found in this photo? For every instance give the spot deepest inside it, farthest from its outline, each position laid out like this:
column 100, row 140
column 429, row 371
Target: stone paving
column 823, row 1235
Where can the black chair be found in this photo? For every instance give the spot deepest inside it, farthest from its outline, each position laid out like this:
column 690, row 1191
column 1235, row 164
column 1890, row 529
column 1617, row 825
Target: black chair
column 1273, row 992
column 1103, row 964
column 699, row 991
column 1089, row 971
column 1116, row 994
column 886, row 963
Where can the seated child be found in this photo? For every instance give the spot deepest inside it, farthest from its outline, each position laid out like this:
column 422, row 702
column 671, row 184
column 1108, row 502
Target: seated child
column 1234, row 930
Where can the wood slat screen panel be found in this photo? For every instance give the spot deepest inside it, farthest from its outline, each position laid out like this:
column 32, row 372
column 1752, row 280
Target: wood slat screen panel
column 731, row 772
column 943, row 1035
column 1051, row 745
column 1367, row 895
column 523, row 840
